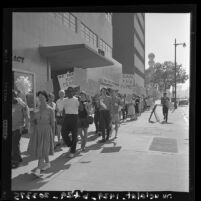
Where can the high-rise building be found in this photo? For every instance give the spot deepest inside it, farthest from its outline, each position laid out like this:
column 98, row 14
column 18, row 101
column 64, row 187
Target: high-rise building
column 129, row 45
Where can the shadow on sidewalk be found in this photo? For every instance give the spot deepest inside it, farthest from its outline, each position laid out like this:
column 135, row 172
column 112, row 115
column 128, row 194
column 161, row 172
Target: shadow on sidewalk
column 92, row 136
column 28, row 181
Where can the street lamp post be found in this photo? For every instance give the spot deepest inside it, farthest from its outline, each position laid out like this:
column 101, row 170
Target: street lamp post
column 175, row 44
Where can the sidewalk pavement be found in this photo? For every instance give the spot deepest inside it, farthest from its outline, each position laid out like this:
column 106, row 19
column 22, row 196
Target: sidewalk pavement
column 145, row 157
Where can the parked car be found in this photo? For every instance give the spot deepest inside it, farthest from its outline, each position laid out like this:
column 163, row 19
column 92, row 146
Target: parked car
column 183, row 102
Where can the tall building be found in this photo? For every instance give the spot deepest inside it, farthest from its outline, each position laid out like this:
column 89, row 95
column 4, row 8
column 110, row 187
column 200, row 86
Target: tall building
column 48, row 45
column 129, row 46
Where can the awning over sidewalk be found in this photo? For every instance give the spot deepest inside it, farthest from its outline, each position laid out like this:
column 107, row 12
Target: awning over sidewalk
column 77, row 55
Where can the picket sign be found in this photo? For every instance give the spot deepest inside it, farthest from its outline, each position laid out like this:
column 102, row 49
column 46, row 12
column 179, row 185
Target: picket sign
column 126, row 84
column 65, row 80
column 104, row 82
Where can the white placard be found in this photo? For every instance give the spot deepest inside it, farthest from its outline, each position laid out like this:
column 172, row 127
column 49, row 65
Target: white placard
column 127, row 80
column 65, row 80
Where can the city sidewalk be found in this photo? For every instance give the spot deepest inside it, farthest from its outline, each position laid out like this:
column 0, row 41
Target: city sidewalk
column 145, row 157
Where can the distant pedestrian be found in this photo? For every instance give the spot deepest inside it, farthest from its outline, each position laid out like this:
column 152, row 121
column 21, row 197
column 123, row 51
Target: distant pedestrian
column 20, row 121
column 70, row 123
column 165, row 101
column 41, row 143
column 137, row 106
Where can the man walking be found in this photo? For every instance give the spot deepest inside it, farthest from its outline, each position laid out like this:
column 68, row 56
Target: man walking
column 105, row 114
column 71, row 105
column 165, row 104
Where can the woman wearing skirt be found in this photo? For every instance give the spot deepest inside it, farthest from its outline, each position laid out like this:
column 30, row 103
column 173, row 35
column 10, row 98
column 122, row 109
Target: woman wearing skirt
column 41, row 143
column 131, row 110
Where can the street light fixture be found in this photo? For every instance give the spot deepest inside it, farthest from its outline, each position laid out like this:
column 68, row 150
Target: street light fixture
column 175, row 44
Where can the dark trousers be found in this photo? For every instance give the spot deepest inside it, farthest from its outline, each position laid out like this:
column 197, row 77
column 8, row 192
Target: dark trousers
column 16, row 155
column 105, row 120
column 70, row 126
column 165, row 113
column 124, row 112
column 97, row 120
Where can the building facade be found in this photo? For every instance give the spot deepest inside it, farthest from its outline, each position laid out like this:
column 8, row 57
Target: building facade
column 47, row 45
column 129, row 46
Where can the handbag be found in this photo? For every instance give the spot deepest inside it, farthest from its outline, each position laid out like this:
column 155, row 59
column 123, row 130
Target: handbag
column 90, row 120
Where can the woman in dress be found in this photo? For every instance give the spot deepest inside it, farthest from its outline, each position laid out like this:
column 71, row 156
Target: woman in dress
column 83, row 125
column 41, row 143
column 131, row 109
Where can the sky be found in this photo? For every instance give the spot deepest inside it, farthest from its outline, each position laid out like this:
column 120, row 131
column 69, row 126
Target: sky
column 161, row 29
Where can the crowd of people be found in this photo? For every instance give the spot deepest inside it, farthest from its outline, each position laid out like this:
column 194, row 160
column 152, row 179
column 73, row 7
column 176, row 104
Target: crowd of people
column 68, row 118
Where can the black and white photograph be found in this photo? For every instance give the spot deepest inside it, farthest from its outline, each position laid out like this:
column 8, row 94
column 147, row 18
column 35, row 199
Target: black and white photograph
column 100, row 101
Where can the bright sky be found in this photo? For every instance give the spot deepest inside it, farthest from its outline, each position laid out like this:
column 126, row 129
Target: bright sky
column 161, row 29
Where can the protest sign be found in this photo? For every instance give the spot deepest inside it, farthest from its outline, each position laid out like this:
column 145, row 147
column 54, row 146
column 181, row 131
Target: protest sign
column 65, row 80
column 126, row 84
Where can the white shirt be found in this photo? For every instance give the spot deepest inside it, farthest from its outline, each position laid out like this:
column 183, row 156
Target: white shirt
column 59, row 106
column 71, row 105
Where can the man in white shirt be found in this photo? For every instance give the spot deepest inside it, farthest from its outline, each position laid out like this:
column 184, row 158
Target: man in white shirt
column 71, row 105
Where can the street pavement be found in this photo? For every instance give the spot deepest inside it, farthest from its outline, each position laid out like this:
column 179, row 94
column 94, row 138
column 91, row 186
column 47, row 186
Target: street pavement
column 145, row 157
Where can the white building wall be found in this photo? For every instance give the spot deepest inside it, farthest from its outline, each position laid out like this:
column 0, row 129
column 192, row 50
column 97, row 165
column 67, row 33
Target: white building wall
column 138, row 46
column 138, row 29
column 141, row 19
column 138, row 63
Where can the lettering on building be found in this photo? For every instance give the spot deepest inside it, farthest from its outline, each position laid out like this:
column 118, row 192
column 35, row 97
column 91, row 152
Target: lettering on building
column 18, row 59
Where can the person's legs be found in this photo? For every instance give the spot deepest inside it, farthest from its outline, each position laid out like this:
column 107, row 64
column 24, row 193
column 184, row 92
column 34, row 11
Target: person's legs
column 79, row 132
column 16, row 155
column 164, row 115
column 108, row 123
column 84, row 138
column 102, row 124
column 96, row 121
column 40, row 163
column 59, row 133
column 116, row 122
column 74, row 129
column 65, row 130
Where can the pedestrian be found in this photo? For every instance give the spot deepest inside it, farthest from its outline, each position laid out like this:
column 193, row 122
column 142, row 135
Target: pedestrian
column 41, row 143
column 165, row 101
column 96, row 105
column 83, row 113
column 131, row 109
column 69, row 125
column 59, row 115
column 124, row 108
column 116, row 103
column 137, row 102
column 120, row 108
column 105, row 114
column 20, row 122
column 52, row 104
